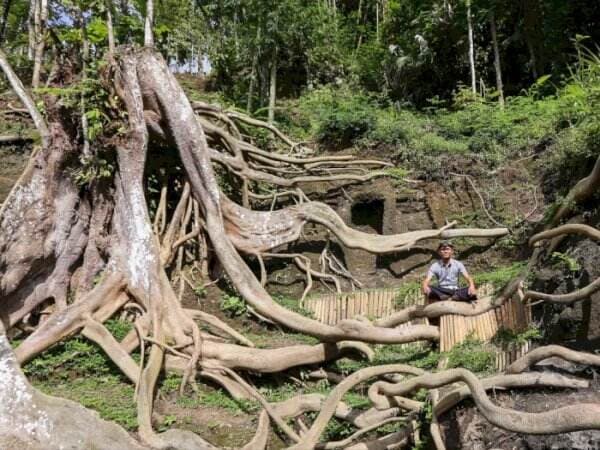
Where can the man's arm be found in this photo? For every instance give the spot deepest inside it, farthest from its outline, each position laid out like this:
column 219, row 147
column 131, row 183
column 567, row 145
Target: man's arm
column 472, row 288
column 425, row 285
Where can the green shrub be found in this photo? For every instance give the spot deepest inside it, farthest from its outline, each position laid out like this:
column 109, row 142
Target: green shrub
column 233, row 305
column 500, row 276
column 344, row 125
column 471, row 354
column 337, row 116
column 506, row 338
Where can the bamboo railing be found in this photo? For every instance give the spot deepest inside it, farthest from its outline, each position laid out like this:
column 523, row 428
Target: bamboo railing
column 454, row 329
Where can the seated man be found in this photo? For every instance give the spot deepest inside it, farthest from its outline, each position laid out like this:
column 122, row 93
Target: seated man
column 447, row 271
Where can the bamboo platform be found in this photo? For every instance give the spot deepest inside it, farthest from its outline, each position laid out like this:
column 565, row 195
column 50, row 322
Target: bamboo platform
column 454, row 329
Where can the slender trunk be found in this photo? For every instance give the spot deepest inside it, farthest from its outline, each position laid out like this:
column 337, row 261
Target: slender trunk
column 40, row 17
column 6, row 4
column 272, row 87
column 110, row 30
column 377, row 20
column 497, row 65
column 252, row 85
column 148, row 37
column 31, row 29
column 532, row 59
column 253, row 73
column 533, row 32
column 471, row 48
column 85, row 44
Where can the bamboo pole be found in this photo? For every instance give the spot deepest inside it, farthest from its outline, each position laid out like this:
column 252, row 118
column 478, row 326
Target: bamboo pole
column 364, row 303
column 443, row 335
column 332, row 311
column 452, row 332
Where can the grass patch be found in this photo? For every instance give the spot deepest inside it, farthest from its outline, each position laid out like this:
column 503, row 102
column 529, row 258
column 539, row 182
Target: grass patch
column 500, row 276
column 109, row 395
column 506, row 338
column 471, row 354
column 292, row 304
column 76, row 356
column 414, row 354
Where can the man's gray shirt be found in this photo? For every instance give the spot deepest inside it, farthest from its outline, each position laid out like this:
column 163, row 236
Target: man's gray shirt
column 447, row 275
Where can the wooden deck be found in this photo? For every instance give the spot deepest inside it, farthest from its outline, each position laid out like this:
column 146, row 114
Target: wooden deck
column 454, row 329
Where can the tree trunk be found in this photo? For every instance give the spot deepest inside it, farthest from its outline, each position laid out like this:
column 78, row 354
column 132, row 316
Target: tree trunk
column 377, row 20
column 253, row 73
column 272, row 87
column 110, row 29
column 31, row 29
column 497, row 65
column 40, row 18
column 91, row 251
column 471, row 48
column 148, row 23
column 6, row 4
column 533, row 31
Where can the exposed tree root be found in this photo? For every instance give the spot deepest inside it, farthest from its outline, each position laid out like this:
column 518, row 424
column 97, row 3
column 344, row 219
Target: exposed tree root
column 445, row 307
column 581, row 229
column 561, row 420
column 584, row 189
column 549, row 351
column 571, row 297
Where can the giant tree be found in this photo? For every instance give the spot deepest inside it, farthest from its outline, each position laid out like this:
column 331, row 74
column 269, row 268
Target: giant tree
column 82, row 237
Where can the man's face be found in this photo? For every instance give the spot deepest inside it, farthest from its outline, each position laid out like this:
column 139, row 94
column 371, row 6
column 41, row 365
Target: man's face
column 446, row 252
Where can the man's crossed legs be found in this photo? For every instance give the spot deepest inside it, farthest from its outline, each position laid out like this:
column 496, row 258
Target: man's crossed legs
column 440, row 293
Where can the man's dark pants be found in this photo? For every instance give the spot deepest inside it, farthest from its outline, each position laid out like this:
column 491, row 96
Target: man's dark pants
column 460, row 294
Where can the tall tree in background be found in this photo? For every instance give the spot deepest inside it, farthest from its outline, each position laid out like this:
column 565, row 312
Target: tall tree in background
column 497, row 63
column 40, row 18
column 471, row 47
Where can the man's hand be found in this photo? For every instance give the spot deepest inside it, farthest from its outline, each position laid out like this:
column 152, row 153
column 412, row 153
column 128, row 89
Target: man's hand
column 472, row 290
column 425, row 285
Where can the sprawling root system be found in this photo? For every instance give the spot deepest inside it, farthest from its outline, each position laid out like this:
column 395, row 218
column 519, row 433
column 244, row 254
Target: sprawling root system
column 72, row 255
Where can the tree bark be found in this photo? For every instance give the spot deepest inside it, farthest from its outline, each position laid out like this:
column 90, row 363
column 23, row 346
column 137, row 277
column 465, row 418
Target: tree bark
column 497, row 64
column 148, row 24
column 471, row 48
column 6, row 4
column 31, row 29
column 253, row 73
column 40, row 19
column 110, row 29
column 533, row 31
column 272, row 87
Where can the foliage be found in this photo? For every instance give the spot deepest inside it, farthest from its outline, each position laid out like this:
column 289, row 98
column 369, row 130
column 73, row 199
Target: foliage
column 562, row 260
column 291, row 304
column 500, row 276
column 506, row 337
column 92, row 169
column 407, row 289
column 471, row 354
column 233, row 305
column 415, row 354
column 221, row 399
